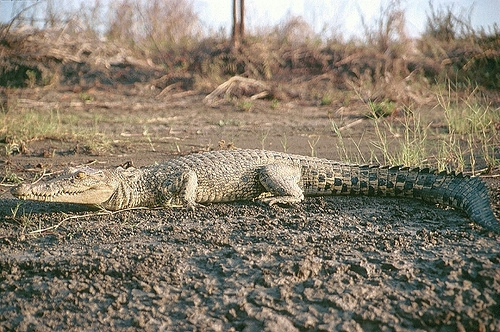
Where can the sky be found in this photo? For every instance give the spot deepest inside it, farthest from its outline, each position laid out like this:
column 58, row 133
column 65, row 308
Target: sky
column 327, row 16
column 343, row 15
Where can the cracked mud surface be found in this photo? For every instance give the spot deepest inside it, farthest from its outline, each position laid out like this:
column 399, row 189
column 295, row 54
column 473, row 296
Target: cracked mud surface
column 328, row 264
column 332, row 263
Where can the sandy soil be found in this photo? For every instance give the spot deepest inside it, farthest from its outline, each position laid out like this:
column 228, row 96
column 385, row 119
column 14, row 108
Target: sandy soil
column 333, row 263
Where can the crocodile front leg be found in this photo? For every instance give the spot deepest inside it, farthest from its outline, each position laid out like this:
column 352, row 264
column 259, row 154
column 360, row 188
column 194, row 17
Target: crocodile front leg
column 282, row 183
column 180, row 189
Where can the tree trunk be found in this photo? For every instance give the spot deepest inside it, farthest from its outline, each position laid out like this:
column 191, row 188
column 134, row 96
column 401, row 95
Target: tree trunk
column 242, row 19
column 235, row 40
column 238, row 25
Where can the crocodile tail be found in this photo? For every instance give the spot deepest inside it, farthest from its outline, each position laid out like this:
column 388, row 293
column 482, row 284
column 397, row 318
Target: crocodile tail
column 467, row 193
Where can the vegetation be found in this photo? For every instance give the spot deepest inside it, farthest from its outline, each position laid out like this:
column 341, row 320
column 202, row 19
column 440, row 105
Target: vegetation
column 29, row 125
column 452, row 68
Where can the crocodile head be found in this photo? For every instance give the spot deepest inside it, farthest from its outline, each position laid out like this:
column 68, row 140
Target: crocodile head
column 82, row 185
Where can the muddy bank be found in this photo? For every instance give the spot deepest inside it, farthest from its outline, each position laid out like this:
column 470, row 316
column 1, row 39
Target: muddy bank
column 335, row 263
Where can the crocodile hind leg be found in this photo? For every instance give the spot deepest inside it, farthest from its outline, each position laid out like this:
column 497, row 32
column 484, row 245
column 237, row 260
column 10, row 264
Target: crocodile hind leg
column 282, row 183
column 180, row 190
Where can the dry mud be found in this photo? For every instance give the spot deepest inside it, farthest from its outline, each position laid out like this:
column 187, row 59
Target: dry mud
column 335, row 263
column 332, row 263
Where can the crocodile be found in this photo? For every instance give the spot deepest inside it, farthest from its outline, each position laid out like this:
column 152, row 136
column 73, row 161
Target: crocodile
column 266, row 176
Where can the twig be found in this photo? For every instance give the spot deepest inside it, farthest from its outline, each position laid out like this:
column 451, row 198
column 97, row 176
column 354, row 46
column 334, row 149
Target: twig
column 259, row 95
column 41, row 177
column 103, row 212
column 352, row 124
column 25, row 9
column 491, row 176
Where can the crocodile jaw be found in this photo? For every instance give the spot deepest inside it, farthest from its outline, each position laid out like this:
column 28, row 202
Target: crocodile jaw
column 78, row 185
column 90, row 196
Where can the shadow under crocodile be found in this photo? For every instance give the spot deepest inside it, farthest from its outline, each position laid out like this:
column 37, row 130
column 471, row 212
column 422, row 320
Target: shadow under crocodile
column 13, row 207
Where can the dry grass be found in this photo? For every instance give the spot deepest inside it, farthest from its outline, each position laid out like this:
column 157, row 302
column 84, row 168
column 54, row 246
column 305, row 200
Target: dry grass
column 169, row 34
column 387, row 71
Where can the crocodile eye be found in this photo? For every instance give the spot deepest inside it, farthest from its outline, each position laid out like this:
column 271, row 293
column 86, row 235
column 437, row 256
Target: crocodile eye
column 81, row 175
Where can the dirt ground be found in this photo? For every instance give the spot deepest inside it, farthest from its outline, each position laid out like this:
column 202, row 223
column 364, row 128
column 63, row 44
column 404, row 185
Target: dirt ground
column 332, row 263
